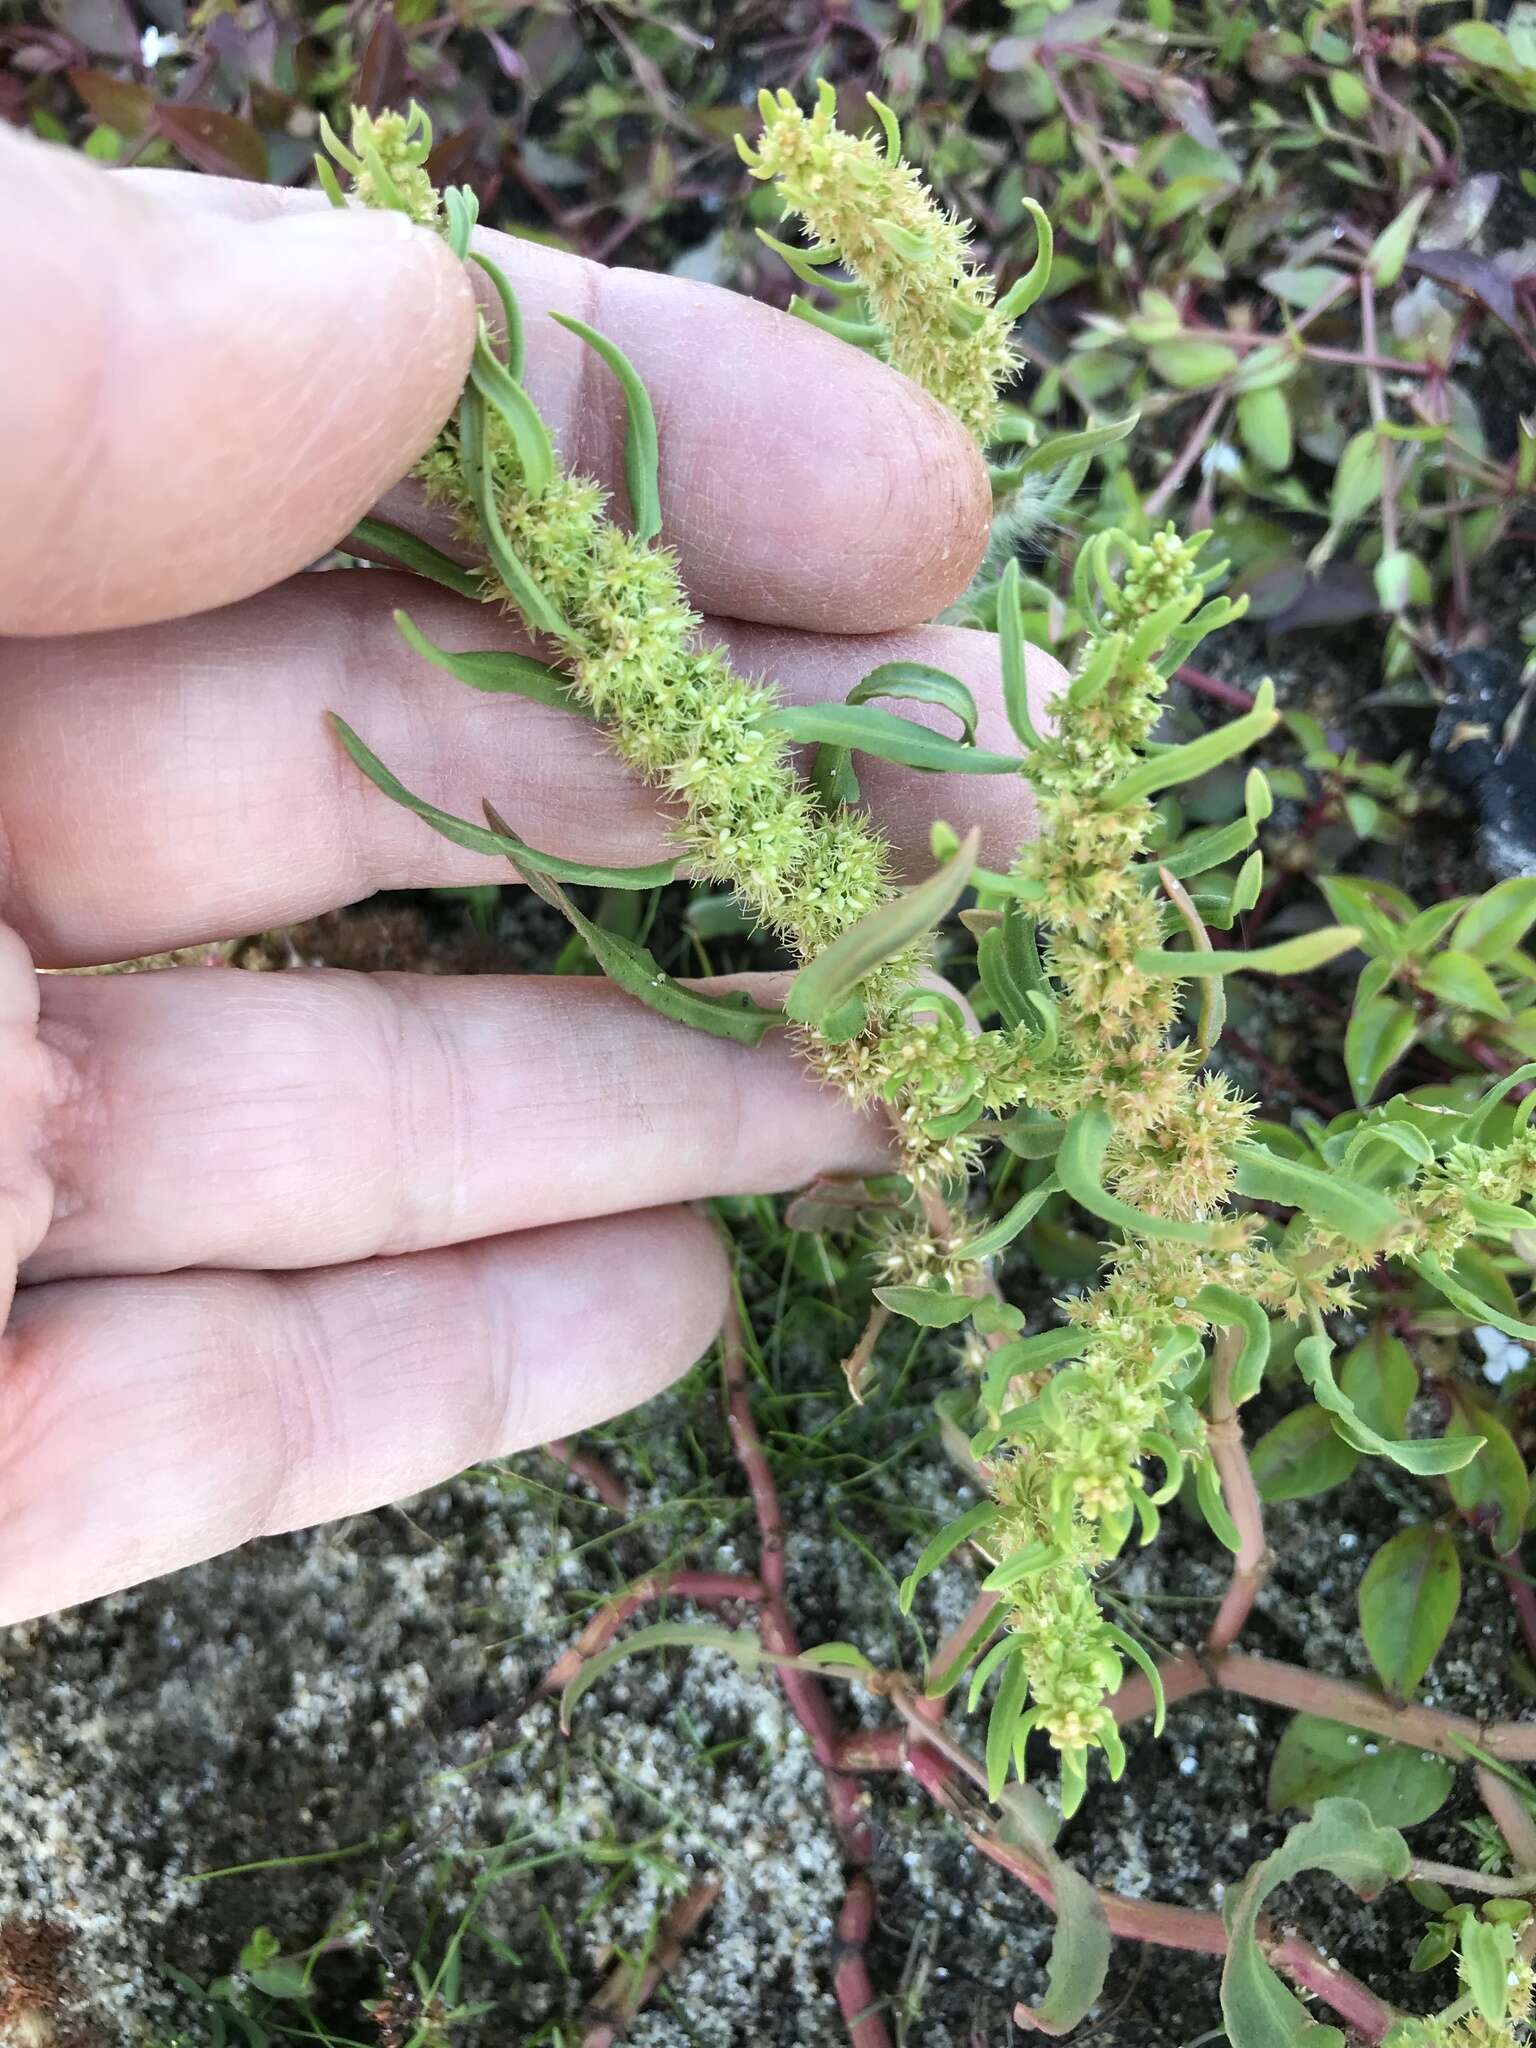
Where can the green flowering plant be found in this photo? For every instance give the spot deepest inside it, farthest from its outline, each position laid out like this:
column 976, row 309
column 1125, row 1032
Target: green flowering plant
column 1089, row 1065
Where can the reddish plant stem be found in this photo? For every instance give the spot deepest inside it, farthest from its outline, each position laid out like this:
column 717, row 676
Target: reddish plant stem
column 805, row 1693
column 708, row 1589
column 970, row 1633
column 1335, row 1699
column 1510, row 1815
column 1162, row 1926
column 1189, row 454
column 1522, row 1595
column 628, row 1989
column 1213, row 687
column 589, row 1468
column 851, row 1982
column 1251, row 1565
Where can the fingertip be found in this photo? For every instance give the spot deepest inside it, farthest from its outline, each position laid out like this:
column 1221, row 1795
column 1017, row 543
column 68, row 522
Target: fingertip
column 201, row 406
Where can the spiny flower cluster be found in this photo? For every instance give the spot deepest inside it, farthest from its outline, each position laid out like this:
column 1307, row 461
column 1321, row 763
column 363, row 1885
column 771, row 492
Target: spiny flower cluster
column 939, row 314
column 682, row 717
column 1070, row 1474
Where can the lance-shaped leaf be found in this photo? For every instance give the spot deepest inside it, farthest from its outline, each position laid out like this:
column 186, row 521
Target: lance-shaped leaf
column 500, row 390
column 833, row 977
column 1470, row 1304
column 1224, row 1305
column 997, row 1236
column 1078, row 1962
column 511, row 313
column 1080, row 1169
column 806, row 264
column 1008, row 958
column 480, row 839
column 742, row 1644
column 1064, row 448
column 636, row 970
column 1359, row 1214
column 868, row 335
column 421, row 559
column 1027, row 1354
column 868, row 731
column 1209, row 849
column 496, row 671
column 1024, row 291
column 1340, row 1838
column 1197, row 757
column 921, row 684
column 1426, row 1457
column 1011, row 644
column 948, row 1540
column 1288, row 956
column 540, row 612
column 641, row 450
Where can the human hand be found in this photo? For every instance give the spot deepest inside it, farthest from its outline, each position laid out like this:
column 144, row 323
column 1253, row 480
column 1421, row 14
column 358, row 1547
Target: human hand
column 291, row 1246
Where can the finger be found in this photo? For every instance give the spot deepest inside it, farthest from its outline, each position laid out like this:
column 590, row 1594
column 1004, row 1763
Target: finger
column 147, row 1423
column 212, row 1118
column 26, row 1081
column 193, row 408
column 802, row 482
column 180, row 783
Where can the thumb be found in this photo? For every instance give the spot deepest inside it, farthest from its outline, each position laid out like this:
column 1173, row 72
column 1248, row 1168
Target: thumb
column 192, row 408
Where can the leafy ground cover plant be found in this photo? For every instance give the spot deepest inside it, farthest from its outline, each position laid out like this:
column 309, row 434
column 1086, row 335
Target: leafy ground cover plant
column 1087, row 1071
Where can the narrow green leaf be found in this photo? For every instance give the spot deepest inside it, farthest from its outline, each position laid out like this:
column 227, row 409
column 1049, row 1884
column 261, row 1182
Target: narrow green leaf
column 1469, row 1303
column 479, row 839
column 833, row 976
column 915, row 680
column 742, row 1644
column 1361, row 1215
column 1002, row 1722
column 882, row 733
column 997, row 1236
column 501, row 391
column 1010, row 629
column 511, row 313
column 1202, row 851
column 1079, row 1167
column 1024, row 291
column 497, row 672
column 868, row 335
column 1426, row 1457
column 520, row 586
column 1288, row 956
column 421, row 559
column 1080, row 1947
column 1027, row 1354
column 1197, row 757
column 1008, row 960
column 1225, row 1306
column 1340, row 1838
column 641, row 449
column 944, row 1545
column 636, row 970
column 1408, row 1600
column 889, row 125
column 1061, row 449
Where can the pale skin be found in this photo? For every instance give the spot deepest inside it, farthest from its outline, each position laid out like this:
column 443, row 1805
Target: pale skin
column 280, row 1248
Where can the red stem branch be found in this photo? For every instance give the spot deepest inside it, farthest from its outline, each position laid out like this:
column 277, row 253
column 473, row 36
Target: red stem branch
column 589, row 1468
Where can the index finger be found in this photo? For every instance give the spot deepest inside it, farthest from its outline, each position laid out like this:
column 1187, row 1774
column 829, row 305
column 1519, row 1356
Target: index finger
column 803, row 483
